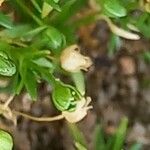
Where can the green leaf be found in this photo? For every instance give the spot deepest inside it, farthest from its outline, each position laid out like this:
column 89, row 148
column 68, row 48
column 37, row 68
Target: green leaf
column 69, row 9
column 31, row 84
column 15, row 84
column 114, row 44
column 146, row 56
column 55, row 39
column 34, row 32
column 43, row 62
column 36, row 5
column 16, row 31
column 5, row 21
column 136, row 146
column 6, row 142
column 56, row 1
column 143, row 23
column 110, row 142
column 99, row 139
column 80, row 146
column 28, row 78
column 47, row 8
column 77, row 135
column 130, row 4
column 114, row 8
column 120, row 134
column 53, row 4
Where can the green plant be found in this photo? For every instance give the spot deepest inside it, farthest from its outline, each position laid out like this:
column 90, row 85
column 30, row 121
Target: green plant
column 126, row 19
column 102, row 141
column 30, row 50
column 123, row 13
column 38, row 42
column 115, row 141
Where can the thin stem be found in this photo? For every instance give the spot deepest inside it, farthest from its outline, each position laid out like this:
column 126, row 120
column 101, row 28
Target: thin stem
column 119, row 31
column 39, row 119
column 8, row 101
column 27, row 10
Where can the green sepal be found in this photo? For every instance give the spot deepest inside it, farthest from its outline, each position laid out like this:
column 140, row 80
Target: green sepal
column 65, row 96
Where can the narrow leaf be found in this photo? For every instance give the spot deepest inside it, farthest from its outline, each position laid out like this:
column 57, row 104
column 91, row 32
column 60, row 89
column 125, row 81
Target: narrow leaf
column 99, row 141
column 53, row 4
column 32, row 33
column 36, row 5
column 120, row 134
column 136, row 146
column 31, row 84
column 43, row 62
column 5, row 21
column 80, row 146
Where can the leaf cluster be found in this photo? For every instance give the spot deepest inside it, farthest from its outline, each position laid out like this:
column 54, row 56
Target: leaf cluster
column 33, row 38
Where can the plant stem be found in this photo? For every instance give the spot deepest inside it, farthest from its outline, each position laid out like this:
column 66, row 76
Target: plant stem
column 8, row 101
column 27, row 10
column 39, row 119
column 117, row 30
